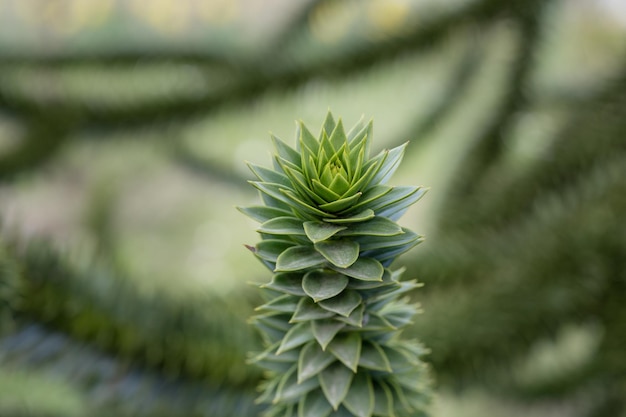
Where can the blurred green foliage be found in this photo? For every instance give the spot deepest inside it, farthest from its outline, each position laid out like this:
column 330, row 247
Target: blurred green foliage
column 123, row 135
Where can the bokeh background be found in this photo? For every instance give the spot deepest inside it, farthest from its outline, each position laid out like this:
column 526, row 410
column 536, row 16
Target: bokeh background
column 124, row 127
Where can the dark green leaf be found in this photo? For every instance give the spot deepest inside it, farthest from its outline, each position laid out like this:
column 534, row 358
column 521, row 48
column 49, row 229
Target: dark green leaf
column 341, row 204
column 335, row 381
column 296, row 336
column 312, row 361
column 282, row 226
column 304, row 208
column 360, row 398
column 307, row 310
column 383, row 400
column 319, row 231
column 289, row 389
column 321, row 285
column 341, row 253
column 365, row 269
column 373, row 357
column 289, row 283
column 343, row 304
column 378, row 226
column 355, row 318
column 314, row 404
column 347, row 348
column 325, row 330
column 269, row 249
column 297, row 258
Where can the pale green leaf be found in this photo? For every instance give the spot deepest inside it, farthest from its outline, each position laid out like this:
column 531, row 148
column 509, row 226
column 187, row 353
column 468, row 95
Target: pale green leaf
column 341, row 253
column 392, row 161
column 307, row 310
column 319, row 231
column 320, row 285
column 296, row 336
column 360, row 398
column 268, row 175
column 297, row 258
column 339, row 184
column 324, row 192
column 302, row 207
column 343, row 304
column 282, row 226
column 314, row 404
column 335, row 382
column 286, row 282
column 329, row 124
column 347, row 348
column 338, row 136
column 372, row 195
column 394, row 197
column 307, row 139
column 312, row 361
column 365, row 269
column 325, row 330
column 285, row 151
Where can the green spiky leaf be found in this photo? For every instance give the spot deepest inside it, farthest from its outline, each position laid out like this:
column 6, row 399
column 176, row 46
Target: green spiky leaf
column 341, row 253
column 312, row 361
column 298, row 258
column 347, row 348
column 342, row 304
column 325, row 330
column 360, row 398
column 335, row 382
column 319, row 231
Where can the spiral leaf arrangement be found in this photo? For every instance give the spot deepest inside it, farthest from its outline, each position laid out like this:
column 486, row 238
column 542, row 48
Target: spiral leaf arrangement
column 334, row 310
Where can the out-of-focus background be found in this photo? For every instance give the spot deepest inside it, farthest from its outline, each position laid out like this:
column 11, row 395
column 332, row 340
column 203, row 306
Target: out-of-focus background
column 124, row 127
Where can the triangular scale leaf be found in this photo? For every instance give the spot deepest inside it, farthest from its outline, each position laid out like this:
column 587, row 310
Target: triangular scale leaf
column 284, row 304
column 360, row 398
column 319, row 231
column 307, row 310
column 383, row 400
column 320, row 285
column 312, row 361
column 263, row 213
column 282, row 226
column 269, row 249
column 325, row 330
column 378, row 226
column 335, row 381
column 329, row 124
column 355, row 318
column 302, row 207
column 392, row 161
column 341, row 253
column 341, row 204
column 297, row 258
column 268, row 175
column 373, row 357
column 314, row 404
column 324, row 192
column 365, row 269
column 285, row 282
column 285, row 151
column 343, row 304
column 339, row 185
column 372, row 195
column 359, row 217
column 338, row 136
column 296, row 336
column 347, row 348
column 289, row 389
column 307, row 139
